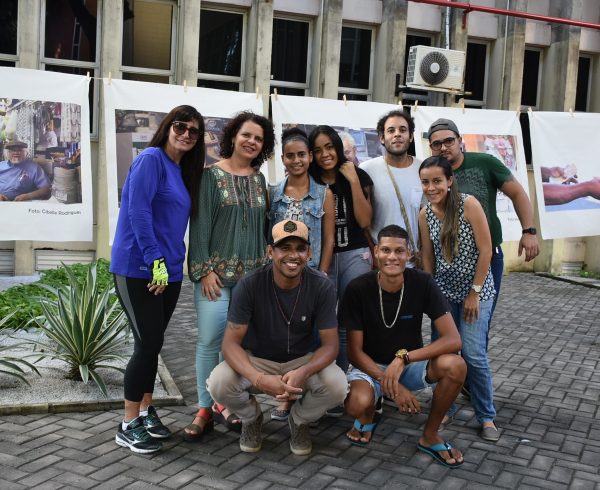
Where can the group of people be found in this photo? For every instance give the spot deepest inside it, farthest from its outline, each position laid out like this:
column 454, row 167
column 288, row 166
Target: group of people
column 313, row 290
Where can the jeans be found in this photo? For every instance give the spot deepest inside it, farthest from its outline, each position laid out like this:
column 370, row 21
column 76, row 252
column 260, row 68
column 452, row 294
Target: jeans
column 345, row 266
column 497, row 268
column 413, row 377
column 474, row 352
column 211, row 320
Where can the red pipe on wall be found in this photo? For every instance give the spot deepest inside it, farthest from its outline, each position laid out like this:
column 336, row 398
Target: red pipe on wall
column 469, row 7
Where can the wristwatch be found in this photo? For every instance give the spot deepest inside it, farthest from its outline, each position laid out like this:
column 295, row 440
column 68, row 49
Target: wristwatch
column 530, row 231
column 477, row 288
column 403, row 354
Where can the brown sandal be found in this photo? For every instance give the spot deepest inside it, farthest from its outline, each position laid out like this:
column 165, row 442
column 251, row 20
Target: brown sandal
column 196, row 431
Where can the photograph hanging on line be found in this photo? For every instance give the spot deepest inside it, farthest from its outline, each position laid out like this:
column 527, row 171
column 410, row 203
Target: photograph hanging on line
column 504, row 148
column 135, row 130
column 359, row 144
column 40, row 144
column 567, row 189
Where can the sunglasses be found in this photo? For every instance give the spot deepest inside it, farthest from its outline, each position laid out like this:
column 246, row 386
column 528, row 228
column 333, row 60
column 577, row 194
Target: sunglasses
column 436, row 145
column 179, row 128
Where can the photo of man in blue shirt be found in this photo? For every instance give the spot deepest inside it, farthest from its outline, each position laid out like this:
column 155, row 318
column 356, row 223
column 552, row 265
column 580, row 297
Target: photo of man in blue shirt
column 20, row 178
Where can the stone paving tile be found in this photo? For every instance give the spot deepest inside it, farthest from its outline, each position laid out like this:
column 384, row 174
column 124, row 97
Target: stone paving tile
column 545, row 355
column 51, row 485
column 12, row 485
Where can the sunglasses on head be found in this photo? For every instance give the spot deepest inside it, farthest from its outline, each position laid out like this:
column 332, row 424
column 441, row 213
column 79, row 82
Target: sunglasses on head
column 179, row 128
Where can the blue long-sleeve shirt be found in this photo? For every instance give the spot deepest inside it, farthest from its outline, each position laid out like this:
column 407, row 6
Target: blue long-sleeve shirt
column 155, row 208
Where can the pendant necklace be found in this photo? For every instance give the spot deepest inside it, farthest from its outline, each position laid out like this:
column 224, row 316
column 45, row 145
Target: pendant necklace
column 287, row 320
column 381, row 304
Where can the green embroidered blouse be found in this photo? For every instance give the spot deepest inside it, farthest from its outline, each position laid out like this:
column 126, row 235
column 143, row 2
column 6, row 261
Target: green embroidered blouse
column 227, row 236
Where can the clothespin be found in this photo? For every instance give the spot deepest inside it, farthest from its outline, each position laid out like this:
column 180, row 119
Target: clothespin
column 518, row 112
column 416, row 105
column 87, row 76
column 462, row 104
column 185, row 86
column 345, row 100
column 400, row 101
column 571, row 112
column 530, row 110
column 109, row 77
column 275, row 92
column 257, row 92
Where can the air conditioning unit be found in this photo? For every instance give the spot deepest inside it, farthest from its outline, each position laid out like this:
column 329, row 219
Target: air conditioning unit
column 435, row 69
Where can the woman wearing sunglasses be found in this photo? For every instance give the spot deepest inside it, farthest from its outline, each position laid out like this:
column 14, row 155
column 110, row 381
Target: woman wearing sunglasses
column 160, row 192
column 227, row 239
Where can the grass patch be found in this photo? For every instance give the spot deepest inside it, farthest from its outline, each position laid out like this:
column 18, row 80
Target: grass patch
column 23, row 301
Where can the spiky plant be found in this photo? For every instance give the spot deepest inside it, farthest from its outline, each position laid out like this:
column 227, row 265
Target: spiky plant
column 14, row 366
column 87, row 331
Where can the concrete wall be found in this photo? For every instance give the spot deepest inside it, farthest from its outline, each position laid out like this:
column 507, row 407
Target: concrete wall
column 391, row 20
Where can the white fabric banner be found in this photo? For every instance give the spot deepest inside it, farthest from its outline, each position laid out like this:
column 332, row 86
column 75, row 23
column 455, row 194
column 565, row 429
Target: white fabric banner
column 485, row 131
column 566, row 172
column 134, row 110
column 45, row 169
column 354, row 120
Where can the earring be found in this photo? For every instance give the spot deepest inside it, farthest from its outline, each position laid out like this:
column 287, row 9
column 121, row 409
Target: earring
column 448, row 189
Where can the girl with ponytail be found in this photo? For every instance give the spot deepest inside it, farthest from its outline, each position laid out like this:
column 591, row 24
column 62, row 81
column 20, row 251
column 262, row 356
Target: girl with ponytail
column 457, row 249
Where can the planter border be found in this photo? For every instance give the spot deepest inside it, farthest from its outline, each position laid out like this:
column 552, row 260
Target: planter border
column 173, row 397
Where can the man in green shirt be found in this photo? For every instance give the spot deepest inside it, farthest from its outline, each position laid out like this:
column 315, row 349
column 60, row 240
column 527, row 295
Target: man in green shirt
column 482, row 176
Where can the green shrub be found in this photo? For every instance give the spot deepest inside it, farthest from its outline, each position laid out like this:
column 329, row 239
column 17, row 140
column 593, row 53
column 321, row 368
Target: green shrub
column 85, row 330
column 23, row 301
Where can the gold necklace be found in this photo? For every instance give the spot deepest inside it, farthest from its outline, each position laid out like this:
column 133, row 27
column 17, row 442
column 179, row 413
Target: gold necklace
column 287, row 320
column 381, row 304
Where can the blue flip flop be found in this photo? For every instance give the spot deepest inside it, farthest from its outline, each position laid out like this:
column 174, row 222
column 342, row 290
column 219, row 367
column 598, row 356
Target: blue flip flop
column 435, row 450
column 365, row 428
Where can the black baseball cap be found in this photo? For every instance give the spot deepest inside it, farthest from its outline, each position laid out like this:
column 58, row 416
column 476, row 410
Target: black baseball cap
column 440, row 125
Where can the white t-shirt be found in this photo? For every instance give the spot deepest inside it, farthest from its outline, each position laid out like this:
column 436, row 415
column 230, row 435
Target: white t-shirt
column 386, row 209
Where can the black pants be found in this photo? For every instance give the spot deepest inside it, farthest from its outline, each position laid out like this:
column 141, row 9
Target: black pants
column 148, row 316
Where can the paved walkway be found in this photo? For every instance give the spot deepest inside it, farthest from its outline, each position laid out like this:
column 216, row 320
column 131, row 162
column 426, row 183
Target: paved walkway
column 545, row 351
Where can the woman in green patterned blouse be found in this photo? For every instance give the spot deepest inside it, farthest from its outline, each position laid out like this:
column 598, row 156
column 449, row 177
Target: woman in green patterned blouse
column 226, row 240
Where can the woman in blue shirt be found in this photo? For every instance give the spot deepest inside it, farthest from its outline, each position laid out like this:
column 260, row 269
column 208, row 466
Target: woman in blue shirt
column 160, row 192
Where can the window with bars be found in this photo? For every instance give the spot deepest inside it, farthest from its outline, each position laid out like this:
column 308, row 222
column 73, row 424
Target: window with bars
column 221, row 54
column 70, row 43
column 149, row 33
column 584, row 73
column 356, row 63
column 530, row 88
column 8, row 32
column 290, row 56
column 476, row 69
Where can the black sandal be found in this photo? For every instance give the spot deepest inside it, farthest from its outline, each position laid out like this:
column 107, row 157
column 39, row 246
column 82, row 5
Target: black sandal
column 228, row 422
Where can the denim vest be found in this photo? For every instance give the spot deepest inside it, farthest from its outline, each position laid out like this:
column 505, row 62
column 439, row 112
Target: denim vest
column 312, row 207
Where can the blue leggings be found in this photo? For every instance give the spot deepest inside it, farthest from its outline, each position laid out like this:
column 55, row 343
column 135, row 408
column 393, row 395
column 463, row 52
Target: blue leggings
column 211, row 320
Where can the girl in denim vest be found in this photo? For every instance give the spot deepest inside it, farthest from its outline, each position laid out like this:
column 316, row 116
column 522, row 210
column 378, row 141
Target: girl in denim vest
column 298, row 197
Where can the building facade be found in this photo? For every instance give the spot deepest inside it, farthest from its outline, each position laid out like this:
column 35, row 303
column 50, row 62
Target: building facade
column 322, row 48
